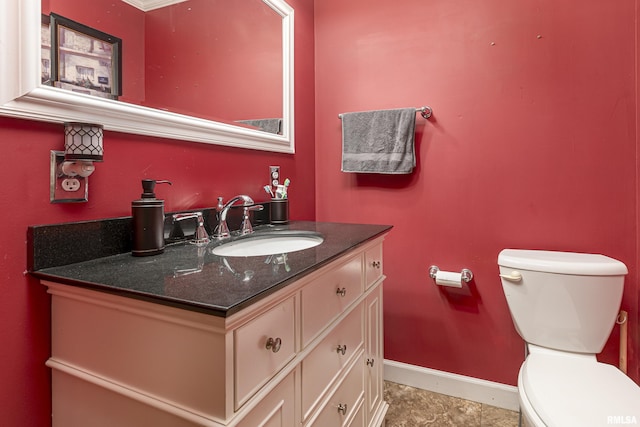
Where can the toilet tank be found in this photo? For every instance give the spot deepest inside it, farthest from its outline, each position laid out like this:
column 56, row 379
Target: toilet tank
column 562, row 300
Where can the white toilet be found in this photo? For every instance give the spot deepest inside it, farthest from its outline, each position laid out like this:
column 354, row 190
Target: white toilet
column 564, row 305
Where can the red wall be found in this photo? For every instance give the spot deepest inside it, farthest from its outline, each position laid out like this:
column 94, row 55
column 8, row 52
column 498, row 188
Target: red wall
column 200, row 173
column 532, row 145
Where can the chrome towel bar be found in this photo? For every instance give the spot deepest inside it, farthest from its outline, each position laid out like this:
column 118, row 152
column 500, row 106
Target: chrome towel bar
column 425, row 112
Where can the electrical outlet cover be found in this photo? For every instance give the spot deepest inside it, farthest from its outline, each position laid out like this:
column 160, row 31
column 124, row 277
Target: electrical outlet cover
column 274, row 175
column 70, row 185
column 63, row 188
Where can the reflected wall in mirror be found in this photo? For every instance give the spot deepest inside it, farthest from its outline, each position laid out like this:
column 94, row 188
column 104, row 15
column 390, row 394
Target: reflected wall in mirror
column 190, row 70
column 212, row 59
column 202, row 60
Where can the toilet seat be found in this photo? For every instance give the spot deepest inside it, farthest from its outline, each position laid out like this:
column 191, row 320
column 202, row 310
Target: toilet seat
column 568, row 389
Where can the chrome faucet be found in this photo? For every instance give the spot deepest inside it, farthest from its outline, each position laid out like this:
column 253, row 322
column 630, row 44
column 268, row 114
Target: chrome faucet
column 222, row 230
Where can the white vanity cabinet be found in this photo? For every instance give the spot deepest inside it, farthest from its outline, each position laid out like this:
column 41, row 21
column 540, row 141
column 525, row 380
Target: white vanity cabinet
column 309, row 354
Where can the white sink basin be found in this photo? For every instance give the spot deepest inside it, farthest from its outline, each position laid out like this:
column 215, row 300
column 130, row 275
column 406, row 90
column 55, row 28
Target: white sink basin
column 269, row 243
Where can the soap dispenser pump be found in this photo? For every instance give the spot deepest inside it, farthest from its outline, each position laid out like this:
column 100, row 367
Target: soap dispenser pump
column 148, row 221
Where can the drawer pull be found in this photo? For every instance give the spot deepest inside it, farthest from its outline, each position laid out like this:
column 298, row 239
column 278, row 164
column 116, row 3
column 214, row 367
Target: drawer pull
column 341, row 349
column 341, row 292
column 370, row 362
column 274, row 344
column 376, row 264
column 342, row 408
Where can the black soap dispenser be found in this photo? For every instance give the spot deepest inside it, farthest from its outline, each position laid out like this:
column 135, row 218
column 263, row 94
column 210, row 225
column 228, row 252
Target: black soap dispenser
column 148, row 221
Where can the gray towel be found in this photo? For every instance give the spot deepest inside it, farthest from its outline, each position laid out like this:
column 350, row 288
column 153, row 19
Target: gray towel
column 267, row 125
column 379, row 141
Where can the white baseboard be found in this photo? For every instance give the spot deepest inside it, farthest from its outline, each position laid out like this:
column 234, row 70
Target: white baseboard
column 469, row 388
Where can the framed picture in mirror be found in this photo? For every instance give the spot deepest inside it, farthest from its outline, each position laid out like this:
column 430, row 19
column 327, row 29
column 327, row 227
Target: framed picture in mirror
column 84, row 59
column 45, row 46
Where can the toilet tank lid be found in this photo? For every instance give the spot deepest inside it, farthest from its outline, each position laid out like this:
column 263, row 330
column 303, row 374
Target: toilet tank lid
column 561, row 262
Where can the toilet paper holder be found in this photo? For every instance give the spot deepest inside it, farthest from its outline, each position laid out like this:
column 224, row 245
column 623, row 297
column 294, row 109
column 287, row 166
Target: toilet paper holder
column 467, row 275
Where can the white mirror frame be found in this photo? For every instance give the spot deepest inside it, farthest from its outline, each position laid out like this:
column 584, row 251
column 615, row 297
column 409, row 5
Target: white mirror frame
column 22, row 95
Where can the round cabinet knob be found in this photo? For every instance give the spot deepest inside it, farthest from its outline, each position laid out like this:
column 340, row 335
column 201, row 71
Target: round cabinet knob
column 370, row 362
column 341, row 349
column 376, row 264
column 274, row 344
column 341, row 292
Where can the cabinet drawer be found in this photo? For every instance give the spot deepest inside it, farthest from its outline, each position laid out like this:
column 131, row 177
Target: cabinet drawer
column 262, row 347
column 358, row 420
column 325, row 363
column 277, row 409
column 344, row 403
column 373, row 265
column 327, row 296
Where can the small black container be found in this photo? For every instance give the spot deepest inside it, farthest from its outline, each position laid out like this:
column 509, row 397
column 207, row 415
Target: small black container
column 279, row 211
column 148, row 221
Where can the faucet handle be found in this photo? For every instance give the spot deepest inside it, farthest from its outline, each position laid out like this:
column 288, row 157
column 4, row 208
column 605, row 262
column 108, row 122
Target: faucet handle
column 200, row 237
column 246, row 223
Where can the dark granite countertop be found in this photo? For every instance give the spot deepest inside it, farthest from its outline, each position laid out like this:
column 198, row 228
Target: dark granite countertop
column 192, row 278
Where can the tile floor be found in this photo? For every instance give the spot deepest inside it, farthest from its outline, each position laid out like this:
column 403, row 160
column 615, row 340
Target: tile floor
column 412, row 407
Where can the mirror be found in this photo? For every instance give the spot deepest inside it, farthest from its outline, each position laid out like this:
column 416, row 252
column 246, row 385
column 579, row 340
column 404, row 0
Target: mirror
column 194, row 104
